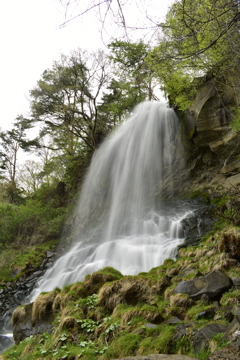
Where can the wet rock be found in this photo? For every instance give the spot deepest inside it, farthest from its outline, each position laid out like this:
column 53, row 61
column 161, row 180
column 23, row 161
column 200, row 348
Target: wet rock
column 213, row 285
column 16, row 293
column 50, row 254
column 5, row 343
column 22, row 323
column 26, row 322
column 203, row 336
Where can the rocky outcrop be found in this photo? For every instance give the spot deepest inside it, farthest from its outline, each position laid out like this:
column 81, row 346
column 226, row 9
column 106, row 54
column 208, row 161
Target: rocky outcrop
column 35, row 318
column 230, row 243
column 15, row 294
column 213, row 285
column 210, row 115
column 230, row 352
column 5, row 342
column 202, row 337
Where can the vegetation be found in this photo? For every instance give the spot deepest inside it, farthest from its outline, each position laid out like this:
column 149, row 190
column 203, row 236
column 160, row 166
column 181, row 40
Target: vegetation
column 76, row 103
column 136, row 319
column 199, row 43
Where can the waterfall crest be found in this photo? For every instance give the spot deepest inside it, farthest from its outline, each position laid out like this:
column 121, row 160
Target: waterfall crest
column 121, row 221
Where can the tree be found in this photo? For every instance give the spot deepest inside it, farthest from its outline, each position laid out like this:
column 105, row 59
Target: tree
column 28, row 176
column 133, row 81
column 200, row 40
column 65, row 100
column 11, row 141
column 115, row 15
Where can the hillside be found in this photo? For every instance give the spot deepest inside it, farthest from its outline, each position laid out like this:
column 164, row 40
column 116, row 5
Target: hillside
column 188, row 307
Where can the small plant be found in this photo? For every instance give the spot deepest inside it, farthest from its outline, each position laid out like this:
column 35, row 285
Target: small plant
column 91, row 301
column 87, row 325
column 111, row 328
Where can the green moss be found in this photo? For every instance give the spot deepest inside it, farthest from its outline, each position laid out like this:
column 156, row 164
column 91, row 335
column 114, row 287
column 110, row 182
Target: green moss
column 160, row 343
column 195, row 310
column 231, row 298
column 124, row 345
column 21, row 260
column 111, row 271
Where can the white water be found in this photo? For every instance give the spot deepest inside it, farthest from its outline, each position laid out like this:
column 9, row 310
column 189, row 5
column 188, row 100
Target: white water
column 121, row 224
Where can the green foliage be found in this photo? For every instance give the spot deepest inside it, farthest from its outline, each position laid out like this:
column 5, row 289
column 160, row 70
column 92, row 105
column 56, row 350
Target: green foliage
column 65, row 101
column 197, row 44
column 32, row 222
column 91, row 301
column 87, row 325
column 133, row 81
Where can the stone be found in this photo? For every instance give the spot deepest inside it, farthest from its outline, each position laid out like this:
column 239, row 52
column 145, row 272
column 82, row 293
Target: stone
column 180, row 332
column 230, row 352
column 233, row 331
column 203, row 95
column 173, row 321
column 226, row 141
column 5, row 343
column 203, row 336
column 236, row 311
column 207, row 314
column 213, row 285
column 230, row 242
column 50, row 254
column 158, row 357
column 231, row 167
column 138, row 331
column 236, row 281
column 150, row 326
column 232, row 181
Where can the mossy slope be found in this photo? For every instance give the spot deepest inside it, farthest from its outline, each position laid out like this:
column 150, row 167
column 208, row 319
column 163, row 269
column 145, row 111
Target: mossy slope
column 111, row 316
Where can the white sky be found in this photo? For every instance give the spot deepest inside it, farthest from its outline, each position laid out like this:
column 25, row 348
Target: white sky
column 31, row 39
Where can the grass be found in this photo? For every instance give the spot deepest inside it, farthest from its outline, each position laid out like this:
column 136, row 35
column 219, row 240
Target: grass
column 19, row 259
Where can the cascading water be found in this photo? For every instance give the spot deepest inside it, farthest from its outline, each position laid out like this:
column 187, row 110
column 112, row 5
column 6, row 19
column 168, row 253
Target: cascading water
column 121, row 221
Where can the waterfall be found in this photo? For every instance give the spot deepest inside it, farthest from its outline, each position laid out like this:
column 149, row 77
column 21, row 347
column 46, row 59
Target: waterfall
column 120, row 219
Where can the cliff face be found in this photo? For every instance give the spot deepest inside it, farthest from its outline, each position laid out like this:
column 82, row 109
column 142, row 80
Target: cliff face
column 212, row 145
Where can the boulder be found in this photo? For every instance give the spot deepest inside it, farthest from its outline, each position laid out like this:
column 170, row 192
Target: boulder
column 22, row 323
column 230, row 352
column 233, row 331
column 34, row 318
column 203, row 336
column 236, row 312
column 213, row 285
column 158, row 357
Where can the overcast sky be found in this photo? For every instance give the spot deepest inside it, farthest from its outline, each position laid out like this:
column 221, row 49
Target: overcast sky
column 31, row 39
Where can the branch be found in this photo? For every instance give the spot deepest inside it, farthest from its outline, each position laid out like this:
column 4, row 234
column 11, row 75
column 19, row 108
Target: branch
column 84, row 12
